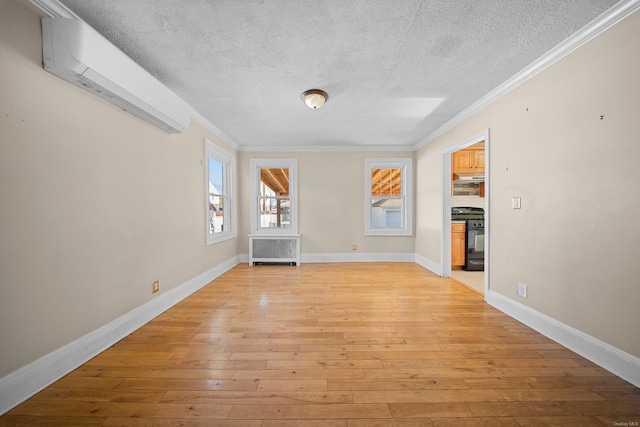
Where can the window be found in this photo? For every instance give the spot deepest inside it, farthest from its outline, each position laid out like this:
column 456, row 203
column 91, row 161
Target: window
column 220, row 189
column 274, row 196
column 388, row 197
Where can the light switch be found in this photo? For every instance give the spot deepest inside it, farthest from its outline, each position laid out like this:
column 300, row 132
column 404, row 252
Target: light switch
column 516, row 204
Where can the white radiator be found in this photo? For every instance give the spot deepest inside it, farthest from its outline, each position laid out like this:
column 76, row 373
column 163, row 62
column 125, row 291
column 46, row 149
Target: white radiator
column 283, row 249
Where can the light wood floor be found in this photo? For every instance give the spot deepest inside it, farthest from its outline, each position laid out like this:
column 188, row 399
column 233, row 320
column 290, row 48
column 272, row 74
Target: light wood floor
column 333, row 345
column 471, row 279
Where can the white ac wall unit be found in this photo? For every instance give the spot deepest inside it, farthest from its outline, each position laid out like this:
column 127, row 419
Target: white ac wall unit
column 74, row 51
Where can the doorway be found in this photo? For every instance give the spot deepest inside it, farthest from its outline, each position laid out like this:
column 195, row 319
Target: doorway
column 471, row 164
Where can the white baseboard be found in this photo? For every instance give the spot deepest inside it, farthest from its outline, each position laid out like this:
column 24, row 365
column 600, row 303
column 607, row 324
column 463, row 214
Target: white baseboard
column 616, row 361
column 30, row 379
column 432, row 266
column 358, row 257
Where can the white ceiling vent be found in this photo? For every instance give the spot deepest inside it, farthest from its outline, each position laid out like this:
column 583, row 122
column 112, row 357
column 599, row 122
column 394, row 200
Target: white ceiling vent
column 77, row 53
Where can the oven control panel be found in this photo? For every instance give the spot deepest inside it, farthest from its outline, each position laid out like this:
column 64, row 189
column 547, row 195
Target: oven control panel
column 475, row 223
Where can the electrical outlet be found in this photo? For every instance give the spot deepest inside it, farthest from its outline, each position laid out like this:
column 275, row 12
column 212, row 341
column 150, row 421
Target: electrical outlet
column 155, row 287
column 354, row 247
column 522, row 290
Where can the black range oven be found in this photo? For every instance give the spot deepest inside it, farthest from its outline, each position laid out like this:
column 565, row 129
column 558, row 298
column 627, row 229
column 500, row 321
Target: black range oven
column 474, row 236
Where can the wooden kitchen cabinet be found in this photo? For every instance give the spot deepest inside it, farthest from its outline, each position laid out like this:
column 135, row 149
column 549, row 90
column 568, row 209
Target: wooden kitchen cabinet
column 457, row 244
column 469, row 161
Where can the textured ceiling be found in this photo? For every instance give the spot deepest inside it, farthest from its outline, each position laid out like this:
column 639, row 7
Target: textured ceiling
column 395, row 70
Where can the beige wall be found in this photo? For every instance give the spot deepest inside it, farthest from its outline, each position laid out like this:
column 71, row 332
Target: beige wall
column 574, row 242
column 331, row 203
column 95, row 204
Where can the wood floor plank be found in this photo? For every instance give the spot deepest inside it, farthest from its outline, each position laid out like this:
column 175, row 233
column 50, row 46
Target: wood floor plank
column 186, row 384
column 293, row 385
column 72, row 382
column 120, row 409
column 304, row 423
column 428, row 396
column 434, row 362
column 546, row 372
column 298, row 374
column 119, row 361
column 477, row 422
column 404, row 355
column 324, row 363
column 555, row 394
column 269, row 397
column 368, row 422
column 178, row 422
column 583, row 382
column 522, row 409
column 404, row 384
column 333, row 345
column 430, row 410
column 426, row 373
column 371, row 347
column 117, row 374
column 288, row 355
column 43, row 421
column 98, row 395
column 301, row 412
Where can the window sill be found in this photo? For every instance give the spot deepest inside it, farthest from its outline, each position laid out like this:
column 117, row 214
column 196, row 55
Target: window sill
column 389, row 232
column 211, row 240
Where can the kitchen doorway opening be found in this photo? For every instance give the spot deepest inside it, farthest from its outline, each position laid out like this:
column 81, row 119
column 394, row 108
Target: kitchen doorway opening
column 470, row 164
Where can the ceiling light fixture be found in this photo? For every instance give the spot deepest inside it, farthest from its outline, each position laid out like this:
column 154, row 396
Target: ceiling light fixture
column 314, row 98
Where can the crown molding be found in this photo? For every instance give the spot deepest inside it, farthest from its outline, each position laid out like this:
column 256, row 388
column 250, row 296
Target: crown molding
column 54, row 9
column 599, row 25
column 329, row 148
column 214, row 129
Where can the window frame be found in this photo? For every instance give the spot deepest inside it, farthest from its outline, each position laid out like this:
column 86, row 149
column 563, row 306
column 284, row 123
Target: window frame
column 228, row 191
column 405, row 165
column 255, row 165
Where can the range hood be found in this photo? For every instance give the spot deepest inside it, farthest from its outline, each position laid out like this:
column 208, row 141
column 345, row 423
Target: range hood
column 470, row 178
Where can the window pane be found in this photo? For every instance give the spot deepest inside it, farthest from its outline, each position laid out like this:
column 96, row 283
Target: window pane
column 386, row 182
column 274, row 202
column 275, row 181
column 394, row 218
column 216, row 196
column 375, row 182
column 216, row 214
column 275, row 212
column 386, row 212
column 396, row 182
column 215, row 176
column 219, row 194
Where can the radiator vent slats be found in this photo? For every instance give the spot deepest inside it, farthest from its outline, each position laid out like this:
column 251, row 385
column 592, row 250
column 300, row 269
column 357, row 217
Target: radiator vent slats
column 276, row 249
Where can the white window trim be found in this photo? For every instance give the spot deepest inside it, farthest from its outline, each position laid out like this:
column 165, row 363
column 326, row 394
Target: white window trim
column 407, row 193
column 228, row 161
column 255, row 166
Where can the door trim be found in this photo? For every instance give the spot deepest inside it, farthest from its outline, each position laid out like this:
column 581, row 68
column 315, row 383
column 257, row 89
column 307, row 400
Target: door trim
column 445, row 253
